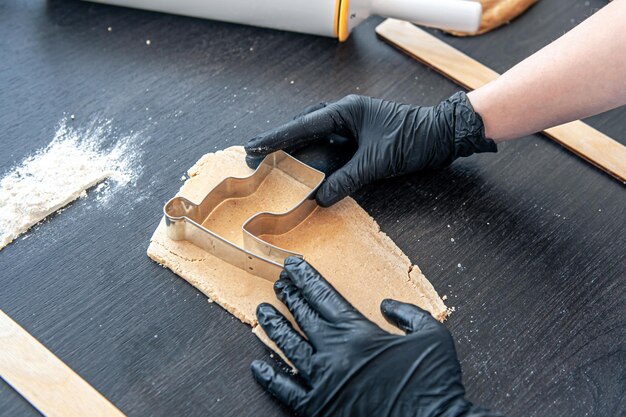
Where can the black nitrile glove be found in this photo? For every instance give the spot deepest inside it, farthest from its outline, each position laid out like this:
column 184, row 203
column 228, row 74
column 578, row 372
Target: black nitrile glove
column 351, row 367
column 393, row 139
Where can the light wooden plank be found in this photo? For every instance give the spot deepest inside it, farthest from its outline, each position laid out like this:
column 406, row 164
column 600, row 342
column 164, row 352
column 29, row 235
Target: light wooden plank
column 580, row 138
column 43, row 379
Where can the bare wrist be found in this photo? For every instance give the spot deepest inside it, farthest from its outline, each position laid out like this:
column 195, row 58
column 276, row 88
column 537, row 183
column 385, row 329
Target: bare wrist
column 480, row 103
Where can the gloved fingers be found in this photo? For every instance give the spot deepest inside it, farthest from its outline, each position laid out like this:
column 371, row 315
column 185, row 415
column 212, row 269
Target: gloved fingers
column 326, row 155
column 310, row 109
column 319, row 293
column 407, row 317
column 299, row 132
column 285, row 388
column 280, row 330
column 253, row 160
column 308, row 319
column 345, row 181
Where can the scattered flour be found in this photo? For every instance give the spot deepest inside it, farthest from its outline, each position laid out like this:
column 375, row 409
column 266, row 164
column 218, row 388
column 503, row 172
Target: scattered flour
column 74, row 161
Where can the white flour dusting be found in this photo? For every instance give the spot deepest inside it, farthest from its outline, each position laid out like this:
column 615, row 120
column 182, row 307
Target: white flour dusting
column 74, row 161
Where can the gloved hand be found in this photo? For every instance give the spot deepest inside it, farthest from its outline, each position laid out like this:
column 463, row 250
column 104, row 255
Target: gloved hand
column 393, row 139
column 349, row 366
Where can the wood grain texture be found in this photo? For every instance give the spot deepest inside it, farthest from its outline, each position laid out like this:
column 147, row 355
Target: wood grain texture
column 540, row 293
column 44, row 380
column 580, row 138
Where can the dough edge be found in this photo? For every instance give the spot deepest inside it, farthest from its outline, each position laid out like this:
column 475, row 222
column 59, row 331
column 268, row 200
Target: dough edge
column 160, row 252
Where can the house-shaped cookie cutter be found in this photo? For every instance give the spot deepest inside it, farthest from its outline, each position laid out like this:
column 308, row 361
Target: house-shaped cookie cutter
column 184, row 219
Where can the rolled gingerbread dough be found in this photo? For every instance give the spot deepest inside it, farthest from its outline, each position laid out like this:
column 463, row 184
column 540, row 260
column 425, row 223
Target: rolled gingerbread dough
column 343, row 242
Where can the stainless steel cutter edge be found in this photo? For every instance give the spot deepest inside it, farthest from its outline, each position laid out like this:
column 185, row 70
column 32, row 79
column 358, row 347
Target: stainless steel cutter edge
column 183, row 218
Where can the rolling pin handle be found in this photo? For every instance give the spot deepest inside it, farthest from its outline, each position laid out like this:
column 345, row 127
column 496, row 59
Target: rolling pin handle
column 458, row 15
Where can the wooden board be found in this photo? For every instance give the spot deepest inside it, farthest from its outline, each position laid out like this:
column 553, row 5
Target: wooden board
column 44, row 380
column 580, row 138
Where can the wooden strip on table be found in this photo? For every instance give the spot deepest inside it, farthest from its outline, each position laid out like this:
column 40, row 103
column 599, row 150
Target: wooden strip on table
column 44, row 380
column 580, row 138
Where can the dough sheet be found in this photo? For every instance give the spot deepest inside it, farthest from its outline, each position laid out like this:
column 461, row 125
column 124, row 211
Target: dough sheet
column 343, row 242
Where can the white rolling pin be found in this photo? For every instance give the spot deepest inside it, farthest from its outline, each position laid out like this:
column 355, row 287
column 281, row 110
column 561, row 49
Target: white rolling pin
column 334, row 18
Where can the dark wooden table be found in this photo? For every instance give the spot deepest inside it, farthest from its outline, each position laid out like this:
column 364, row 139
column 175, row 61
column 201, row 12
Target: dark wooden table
column 536, row 270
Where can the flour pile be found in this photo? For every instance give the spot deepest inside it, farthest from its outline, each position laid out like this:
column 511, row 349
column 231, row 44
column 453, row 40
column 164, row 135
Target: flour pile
column 74, row 161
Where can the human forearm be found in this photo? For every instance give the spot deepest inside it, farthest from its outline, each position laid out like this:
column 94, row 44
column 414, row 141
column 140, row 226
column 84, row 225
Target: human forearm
column 580, row 74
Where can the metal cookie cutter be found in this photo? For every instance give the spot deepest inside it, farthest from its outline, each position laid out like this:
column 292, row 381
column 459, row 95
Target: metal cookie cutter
column 183, row 218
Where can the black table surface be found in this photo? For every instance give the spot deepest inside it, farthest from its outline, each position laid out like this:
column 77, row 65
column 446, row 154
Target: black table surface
column 528, row 244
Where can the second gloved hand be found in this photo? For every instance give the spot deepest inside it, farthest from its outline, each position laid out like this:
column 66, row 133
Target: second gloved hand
column 351, row 367
column 393, row 139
